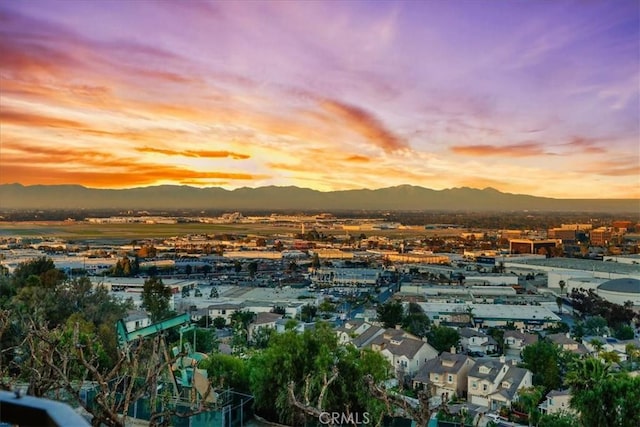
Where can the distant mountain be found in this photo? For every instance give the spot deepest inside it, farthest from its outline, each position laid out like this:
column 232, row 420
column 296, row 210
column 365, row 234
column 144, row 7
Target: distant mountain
column 400, row 198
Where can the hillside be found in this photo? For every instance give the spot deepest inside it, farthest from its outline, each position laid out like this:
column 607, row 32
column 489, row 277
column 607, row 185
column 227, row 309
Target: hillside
column 400, row 198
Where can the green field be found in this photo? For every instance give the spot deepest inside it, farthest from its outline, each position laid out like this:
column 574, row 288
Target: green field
column 84, row 231
column 81, row 231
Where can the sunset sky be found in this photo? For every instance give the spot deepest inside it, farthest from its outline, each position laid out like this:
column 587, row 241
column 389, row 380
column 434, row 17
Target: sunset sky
column 534, row 97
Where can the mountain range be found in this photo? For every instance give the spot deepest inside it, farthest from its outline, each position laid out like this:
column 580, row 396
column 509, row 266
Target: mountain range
column 272, row 198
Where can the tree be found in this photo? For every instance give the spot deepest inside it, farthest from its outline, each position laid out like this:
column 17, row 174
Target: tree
column 206, row 340
column 308, row 312
column 326, row 306
column 442, row 338
column 155, row 299
column 624, row 332
column 562, row 285
column 559, row 303
column 596, row 325
column 252, row 268
column 558, row 420
column 415, row 321
column 528, row 400
column 315, row 261
column 543, row 360
column 66, row 358
column 300, row 363
column 214, row 292
column 227, row 371
column 390, row 314
column 219, row 322
column 206, row 269
column 602, row 398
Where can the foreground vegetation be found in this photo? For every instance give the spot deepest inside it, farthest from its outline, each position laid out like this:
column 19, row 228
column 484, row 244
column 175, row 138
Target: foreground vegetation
column 57, row 334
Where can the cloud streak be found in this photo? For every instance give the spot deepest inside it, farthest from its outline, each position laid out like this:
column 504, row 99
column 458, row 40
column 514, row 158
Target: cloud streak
column 527, row 149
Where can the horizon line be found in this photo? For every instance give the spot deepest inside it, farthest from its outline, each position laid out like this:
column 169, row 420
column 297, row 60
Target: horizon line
column 489, row 188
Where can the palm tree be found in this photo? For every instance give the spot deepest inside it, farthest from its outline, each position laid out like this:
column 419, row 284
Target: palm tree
column 559, row 302
column 562, row 284
column 469, row 311
column 597, row 345
column 587, row 373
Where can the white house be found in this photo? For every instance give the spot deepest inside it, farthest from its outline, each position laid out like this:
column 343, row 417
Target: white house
column 473, row 340
column 494, row 383
column 263, row 320
column 405, row 352
column 446, row 374
column 557, row 401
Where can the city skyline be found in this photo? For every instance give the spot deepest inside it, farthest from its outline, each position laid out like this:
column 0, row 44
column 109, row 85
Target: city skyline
column 537, row 98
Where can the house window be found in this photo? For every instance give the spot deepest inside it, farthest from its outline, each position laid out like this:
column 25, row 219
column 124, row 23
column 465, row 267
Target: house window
column 484, row 387
column 474, row 385
column 435, row 377
column 450, row 378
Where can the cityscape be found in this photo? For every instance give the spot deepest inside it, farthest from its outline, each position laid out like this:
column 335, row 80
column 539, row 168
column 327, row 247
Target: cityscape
column 280, row 213
column 465, row 320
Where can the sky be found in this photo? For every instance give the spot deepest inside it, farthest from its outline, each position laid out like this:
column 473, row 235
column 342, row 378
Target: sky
column 528, row 97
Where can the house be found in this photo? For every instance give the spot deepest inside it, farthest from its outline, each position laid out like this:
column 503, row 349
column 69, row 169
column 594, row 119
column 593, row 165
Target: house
column 405, row 352
column 565, row 342
column 350, row 330
column 136, row 319
column 364, row 339
column 282, row 325
column 556, row 401
column 224, row 310
column 598, row 344
column 261, row 321
column 472, row 340
column 446, row 374
column 516, row 341
column 494, row 383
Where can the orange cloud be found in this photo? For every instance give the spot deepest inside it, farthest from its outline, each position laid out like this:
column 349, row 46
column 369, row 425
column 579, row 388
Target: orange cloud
column 585, row 145
column 195, row 153
column 627, row 167
column 31, row 164
column 364, row 123
column 358, row 158
column 32, row 120
column 136, row 175
column 512, row 150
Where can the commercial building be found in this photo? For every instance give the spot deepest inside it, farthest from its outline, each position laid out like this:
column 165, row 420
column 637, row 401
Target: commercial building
column 522, row 316
column 531, row 246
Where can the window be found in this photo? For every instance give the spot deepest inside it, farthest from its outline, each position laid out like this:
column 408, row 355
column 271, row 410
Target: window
column 435, row 377
column 484, row 387
column 450, row 378
column 474, row 385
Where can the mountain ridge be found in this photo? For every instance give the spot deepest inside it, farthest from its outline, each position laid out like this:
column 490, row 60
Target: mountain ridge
column 399, row 198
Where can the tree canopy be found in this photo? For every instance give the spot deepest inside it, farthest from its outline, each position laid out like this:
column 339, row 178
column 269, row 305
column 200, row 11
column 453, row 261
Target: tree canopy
column 306, row 360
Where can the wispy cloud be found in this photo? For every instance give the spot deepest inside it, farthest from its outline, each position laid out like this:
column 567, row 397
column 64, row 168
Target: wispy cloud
column 363, row 123
column 526, row 149
column 585, row 145
column 195, row 153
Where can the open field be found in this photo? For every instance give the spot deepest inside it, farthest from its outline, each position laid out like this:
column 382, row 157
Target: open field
column 81, row 231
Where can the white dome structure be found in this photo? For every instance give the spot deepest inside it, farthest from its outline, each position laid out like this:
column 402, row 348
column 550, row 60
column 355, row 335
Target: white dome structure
column 620, row 291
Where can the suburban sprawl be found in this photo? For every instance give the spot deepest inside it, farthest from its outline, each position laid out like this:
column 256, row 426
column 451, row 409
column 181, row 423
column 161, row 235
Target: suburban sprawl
column 142, row 318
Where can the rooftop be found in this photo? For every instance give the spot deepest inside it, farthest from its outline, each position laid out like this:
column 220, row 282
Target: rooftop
column 581, row 264
column 626, row 285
